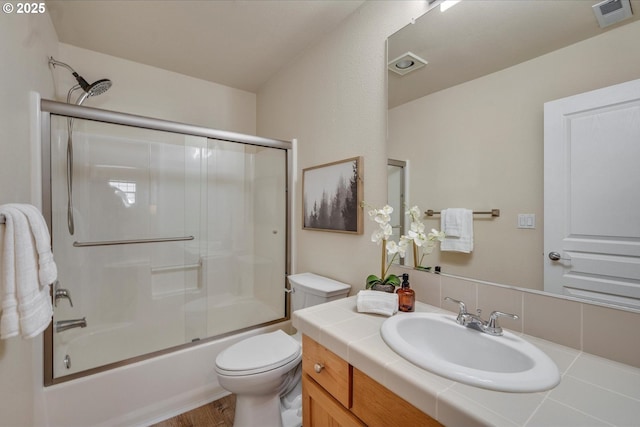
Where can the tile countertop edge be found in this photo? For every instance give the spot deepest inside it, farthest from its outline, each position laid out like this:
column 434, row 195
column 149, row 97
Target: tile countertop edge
column 356, row 338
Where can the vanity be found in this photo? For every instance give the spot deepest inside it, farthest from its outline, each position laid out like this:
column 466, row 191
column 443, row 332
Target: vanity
column 336, row 393
column 352, row 378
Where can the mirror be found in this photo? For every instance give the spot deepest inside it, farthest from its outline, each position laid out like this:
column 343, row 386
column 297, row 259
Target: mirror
column 470, row 123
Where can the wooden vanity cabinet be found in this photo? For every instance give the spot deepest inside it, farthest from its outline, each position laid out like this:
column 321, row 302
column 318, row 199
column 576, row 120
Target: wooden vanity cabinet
column 335, row 394
column 319, row 409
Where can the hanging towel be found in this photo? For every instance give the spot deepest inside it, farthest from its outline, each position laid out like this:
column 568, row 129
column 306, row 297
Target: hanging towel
column 452, row 221
column 27, row 270
column 462, row 224
column 377, row 302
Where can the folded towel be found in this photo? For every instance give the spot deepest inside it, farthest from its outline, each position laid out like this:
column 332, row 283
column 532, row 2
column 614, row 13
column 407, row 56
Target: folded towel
column 27, row 270
column 377, row 302
column 464, row 241
column 452, row 221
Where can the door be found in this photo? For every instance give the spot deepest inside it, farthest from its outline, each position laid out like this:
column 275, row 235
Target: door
column 592, row 195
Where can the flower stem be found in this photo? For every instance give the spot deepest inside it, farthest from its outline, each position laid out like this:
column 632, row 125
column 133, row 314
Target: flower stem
column 416, row 263
column 384, row 273
column 384, row 258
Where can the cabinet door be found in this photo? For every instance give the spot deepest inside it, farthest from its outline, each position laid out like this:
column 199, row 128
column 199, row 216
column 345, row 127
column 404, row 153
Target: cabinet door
column 319, row 409
column 327, row 369
column 378, row 406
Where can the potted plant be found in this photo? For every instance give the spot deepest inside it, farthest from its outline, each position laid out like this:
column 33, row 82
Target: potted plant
column 381, row 236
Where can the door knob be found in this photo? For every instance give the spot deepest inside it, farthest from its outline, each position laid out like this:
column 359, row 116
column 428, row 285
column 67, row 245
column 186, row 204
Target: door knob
column 555, row 256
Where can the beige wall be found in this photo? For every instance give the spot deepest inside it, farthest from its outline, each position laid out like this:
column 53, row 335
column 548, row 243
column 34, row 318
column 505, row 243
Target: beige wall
column 153, row 92
column 25, row 43
column 480, row 146
column 333, row 99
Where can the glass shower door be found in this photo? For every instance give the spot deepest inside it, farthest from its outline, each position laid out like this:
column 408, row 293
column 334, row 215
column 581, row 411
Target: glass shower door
column 177, row 238
column 244, row 263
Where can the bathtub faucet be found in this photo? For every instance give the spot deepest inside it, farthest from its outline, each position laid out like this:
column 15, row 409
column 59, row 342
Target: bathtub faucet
column 63, row 325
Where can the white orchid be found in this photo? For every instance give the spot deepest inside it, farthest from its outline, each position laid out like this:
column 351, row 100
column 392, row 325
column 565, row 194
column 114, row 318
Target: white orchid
column 415, row 214
column 381, row 235
column 397, row 248
column 436, row 235
column 381, row 216
column 416, row 233
column 417, row 236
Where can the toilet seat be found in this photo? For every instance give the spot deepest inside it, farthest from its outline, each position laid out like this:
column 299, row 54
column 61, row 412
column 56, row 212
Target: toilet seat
column 258, row 354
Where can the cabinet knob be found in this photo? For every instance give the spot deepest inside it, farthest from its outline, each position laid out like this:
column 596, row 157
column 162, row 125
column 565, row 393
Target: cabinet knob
column 318, row 367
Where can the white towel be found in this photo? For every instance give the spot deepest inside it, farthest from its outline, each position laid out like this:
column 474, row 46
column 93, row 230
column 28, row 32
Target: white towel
column 461, row 239
column 377, row 302
column 452, row 221
column 27, row 270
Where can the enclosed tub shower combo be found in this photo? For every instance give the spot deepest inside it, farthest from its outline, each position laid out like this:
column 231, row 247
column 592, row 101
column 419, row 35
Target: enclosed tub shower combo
column 164, row 234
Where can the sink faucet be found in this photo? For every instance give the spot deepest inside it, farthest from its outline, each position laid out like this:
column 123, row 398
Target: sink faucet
column 474, row 321
column 63, row 325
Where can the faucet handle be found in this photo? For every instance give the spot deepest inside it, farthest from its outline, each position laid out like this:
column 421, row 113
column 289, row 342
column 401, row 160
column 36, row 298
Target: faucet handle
column 462, row 308
column 492, row 327
column 60, row 293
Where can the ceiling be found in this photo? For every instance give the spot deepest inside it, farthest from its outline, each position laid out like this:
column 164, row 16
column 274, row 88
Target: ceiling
column 236, row 43
column 242, row 43
column 478, row 37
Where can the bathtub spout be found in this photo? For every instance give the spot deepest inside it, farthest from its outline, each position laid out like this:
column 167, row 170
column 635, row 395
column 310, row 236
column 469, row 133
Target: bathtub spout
column 63, row 325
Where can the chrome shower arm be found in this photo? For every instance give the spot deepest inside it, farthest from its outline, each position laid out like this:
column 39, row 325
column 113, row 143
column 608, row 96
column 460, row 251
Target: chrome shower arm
column 55, row 63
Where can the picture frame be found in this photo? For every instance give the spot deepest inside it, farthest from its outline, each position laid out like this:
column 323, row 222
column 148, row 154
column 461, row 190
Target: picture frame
column 331, row 196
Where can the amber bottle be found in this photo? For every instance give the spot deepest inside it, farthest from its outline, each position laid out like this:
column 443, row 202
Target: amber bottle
column 406, row 295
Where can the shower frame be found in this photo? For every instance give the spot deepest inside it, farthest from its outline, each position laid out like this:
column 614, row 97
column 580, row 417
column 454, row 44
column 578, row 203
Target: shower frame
column 49, row 107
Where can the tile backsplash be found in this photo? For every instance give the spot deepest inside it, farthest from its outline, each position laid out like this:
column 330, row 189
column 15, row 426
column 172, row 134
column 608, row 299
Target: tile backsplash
column 607, row 332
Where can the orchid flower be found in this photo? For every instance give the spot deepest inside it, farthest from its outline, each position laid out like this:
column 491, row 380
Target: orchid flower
column 417, row 236
column 382, row 217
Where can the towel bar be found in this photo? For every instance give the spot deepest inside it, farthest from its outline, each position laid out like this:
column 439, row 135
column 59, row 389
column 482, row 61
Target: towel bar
column 492, row 212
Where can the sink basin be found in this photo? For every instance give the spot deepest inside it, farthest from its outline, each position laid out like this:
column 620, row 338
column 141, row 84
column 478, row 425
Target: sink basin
column 437, row 343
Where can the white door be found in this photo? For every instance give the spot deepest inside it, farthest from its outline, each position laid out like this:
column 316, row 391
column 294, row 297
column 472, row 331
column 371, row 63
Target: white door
column 592, row 195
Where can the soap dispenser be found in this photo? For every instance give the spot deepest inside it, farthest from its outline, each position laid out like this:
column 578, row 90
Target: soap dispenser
column 406, row 295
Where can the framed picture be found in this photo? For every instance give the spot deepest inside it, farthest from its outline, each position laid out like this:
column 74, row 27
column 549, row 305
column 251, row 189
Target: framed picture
column 331, row 196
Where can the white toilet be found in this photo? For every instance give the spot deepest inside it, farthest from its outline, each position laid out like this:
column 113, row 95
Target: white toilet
column 264, row 371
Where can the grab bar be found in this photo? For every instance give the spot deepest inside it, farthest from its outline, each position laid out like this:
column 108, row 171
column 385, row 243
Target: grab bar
column 130, row 242
column 170, row 268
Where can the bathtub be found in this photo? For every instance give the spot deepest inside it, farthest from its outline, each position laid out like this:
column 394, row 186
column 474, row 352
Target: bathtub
column 141, row 393
column 99, row 345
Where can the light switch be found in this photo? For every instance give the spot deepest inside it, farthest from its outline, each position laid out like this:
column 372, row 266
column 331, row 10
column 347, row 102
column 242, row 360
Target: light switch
column 526, row 220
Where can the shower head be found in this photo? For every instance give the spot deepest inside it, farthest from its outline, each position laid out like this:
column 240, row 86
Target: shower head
column 97, row 88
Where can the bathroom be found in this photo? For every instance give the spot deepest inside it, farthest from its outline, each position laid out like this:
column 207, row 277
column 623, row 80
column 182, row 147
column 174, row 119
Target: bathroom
column 342, row 113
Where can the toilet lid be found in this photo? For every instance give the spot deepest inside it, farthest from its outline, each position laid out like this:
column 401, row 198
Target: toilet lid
column 257, row 354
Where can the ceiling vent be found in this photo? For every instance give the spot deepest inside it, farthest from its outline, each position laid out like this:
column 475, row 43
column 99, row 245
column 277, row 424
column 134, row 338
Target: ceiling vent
column 406, row 63
column 609, row 12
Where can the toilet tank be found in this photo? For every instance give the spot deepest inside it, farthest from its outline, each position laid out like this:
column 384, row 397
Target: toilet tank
column 310, row 289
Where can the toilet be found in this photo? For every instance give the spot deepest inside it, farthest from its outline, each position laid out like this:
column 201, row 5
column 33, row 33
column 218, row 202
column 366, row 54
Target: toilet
column 264, row 371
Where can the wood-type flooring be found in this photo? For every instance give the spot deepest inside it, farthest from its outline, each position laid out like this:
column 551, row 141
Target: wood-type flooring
column 215, row 414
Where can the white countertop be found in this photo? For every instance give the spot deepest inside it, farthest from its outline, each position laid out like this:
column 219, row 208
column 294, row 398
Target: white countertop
column 593, row 391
